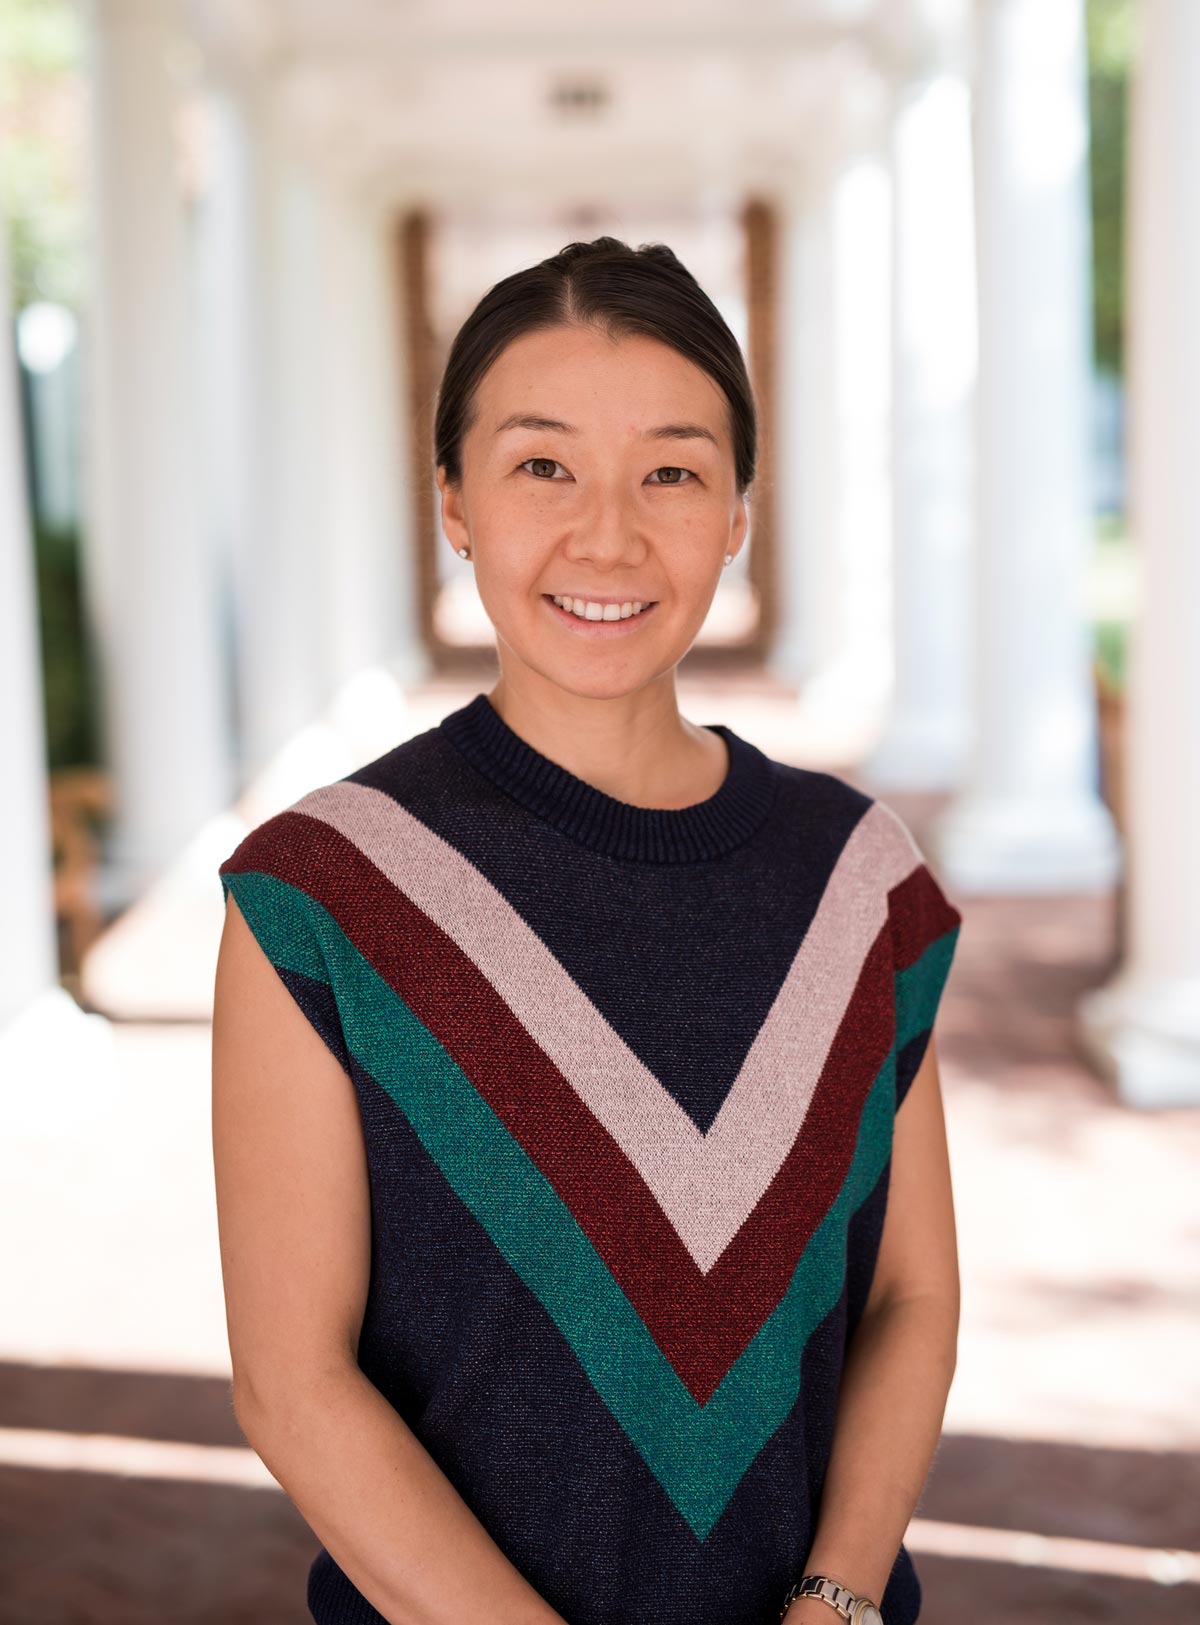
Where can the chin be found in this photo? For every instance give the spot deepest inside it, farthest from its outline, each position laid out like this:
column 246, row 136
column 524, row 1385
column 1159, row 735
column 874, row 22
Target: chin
column 588, row 685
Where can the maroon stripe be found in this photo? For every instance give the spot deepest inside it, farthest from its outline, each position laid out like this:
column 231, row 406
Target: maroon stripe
column 920, row 913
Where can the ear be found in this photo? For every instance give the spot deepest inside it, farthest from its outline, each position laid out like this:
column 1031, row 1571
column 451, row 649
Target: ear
column 741, row 523
column 454, row 521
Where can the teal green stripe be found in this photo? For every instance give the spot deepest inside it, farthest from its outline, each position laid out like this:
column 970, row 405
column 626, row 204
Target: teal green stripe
column 919, row 987
column 699, row 1453
column 280, row 916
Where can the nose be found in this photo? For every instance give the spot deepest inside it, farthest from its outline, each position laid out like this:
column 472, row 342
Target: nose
column 609, row 532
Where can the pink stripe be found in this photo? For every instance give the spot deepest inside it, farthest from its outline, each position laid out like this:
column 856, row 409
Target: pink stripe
column 707, row 1185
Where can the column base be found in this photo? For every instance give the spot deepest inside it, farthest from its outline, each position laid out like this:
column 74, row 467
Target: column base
column 1144, row 1037
column 62, row 1056
column 1029, row 844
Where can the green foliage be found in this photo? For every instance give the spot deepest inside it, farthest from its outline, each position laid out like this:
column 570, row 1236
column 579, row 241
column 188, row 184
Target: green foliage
column 37, row 36
column 68, row 670
column 1111, row 648
column 1113, row 583
column 1112, row 43
column 1112, row 36
column 41, row 102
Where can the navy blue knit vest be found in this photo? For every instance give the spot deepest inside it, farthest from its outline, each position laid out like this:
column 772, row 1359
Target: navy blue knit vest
column 627, row 1080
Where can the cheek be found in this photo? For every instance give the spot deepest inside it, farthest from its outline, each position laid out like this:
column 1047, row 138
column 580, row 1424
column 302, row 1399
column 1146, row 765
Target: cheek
column 518, row 518
column 688, row 542
column 513, row 552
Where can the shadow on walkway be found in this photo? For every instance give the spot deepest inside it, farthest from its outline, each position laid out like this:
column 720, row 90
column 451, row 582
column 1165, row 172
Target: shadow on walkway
column 114, row 1548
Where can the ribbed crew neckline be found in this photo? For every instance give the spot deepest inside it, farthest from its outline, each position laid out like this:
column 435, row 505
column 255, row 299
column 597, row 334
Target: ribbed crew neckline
column 618, row 829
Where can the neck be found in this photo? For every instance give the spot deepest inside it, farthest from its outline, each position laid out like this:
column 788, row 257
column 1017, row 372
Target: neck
column 636, row 748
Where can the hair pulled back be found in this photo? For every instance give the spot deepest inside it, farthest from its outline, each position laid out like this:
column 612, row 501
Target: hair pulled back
column 621, row 290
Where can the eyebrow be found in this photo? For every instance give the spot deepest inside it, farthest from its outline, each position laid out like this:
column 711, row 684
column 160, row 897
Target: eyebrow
column 665, row 431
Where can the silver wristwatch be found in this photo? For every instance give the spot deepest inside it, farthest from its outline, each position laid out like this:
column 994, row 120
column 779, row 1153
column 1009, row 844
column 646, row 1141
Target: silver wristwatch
column 860, row 1610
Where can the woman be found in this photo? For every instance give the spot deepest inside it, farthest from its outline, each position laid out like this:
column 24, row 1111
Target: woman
column 557, row 1059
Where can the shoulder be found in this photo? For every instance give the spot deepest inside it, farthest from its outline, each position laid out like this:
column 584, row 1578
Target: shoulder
column 817, row 798
column 316, row 834
column 817, row 792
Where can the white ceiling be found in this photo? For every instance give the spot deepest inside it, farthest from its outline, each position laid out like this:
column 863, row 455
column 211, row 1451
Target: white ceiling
column 470, row 101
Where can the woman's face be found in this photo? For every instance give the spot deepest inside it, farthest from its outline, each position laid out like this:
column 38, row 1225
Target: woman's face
column 617, row 488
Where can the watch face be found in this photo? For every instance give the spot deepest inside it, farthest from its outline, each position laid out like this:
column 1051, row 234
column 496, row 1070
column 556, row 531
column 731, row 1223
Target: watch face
column 870, row 1616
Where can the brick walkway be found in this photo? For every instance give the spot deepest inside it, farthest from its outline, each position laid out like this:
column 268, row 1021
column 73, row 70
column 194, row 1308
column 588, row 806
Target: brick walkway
column 1070, row 1464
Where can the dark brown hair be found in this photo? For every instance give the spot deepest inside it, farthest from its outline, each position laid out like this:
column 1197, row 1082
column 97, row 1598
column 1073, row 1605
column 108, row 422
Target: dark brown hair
column 621, row 290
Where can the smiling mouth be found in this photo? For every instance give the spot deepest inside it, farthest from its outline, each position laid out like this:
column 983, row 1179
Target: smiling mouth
column 600, row 610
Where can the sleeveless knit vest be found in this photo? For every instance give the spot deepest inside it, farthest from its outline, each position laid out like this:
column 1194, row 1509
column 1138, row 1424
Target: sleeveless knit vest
column 627, row 1080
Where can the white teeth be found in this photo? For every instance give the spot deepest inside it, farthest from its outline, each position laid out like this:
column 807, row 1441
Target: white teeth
column 589, row 610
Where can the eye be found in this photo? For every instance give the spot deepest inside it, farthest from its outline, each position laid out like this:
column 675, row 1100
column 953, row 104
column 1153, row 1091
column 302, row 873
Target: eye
column 682, row 476
column 545, row 462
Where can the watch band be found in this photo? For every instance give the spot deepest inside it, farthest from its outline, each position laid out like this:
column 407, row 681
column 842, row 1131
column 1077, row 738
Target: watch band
column 860, row 1610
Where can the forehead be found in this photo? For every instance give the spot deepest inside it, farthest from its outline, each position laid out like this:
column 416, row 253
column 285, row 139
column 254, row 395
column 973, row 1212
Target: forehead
column 585, row 378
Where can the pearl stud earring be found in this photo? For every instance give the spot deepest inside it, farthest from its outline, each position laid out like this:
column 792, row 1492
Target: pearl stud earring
column 729, row 558
column 462, row 552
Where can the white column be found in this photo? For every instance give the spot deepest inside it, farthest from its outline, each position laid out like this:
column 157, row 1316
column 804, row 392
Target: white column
column 28, row 955
column 256, row 247
column 927, row 736
column 833, row 473
column 150, row 580
column 804, row 459
column 1144, row 1029
column 368, row 597
column 307, row 449
column 1030, row 817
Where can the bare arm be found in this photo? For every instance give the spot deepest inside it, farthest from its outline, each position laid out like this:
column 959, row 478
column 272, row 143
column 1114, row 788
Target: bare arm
column 899, row 1365
column 294, row 1218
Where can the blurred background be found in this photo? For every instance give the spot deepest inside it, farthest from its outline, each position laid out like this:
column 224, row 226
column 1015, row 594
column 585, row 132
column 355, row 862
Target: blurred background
column 960, row 244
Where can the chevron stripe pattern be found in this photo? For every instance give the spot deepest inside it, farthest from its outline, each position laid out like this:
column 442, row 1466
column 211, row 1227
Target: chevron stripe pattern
column 627, row 1081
